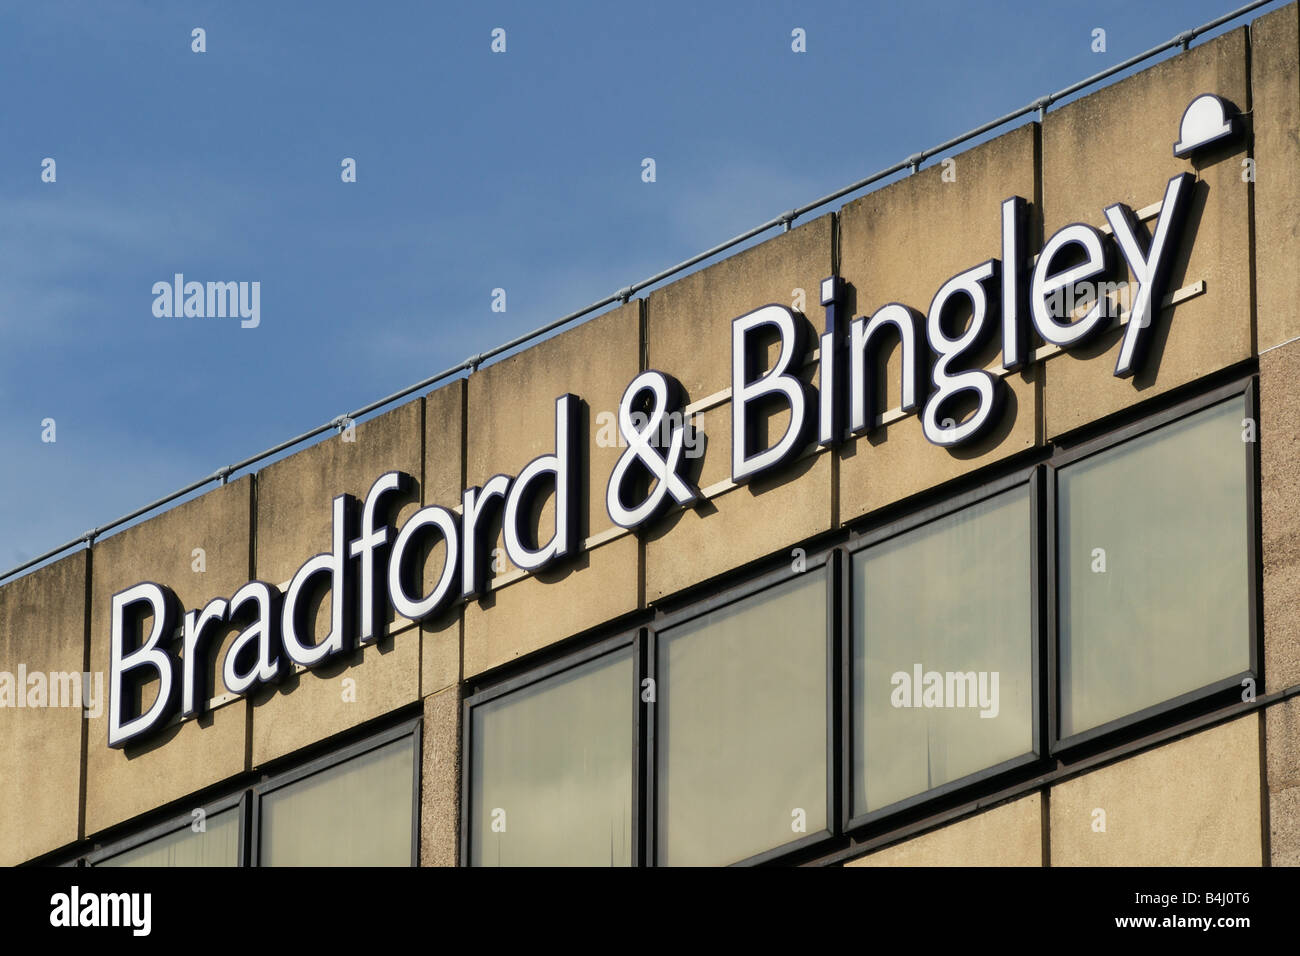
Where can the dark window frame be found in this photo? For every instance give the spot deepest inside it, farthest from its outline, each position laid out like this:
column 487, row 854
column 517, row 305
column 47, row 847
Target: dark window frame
column 1031, row 477
column 633, row 639
column 828, row 560
column 412, row 727
column 238, row 801
column 1221, row 691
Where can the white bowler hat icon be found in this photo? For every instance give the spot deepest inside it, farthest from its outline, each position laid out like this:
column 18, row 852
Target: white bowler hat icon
column 1206, row 120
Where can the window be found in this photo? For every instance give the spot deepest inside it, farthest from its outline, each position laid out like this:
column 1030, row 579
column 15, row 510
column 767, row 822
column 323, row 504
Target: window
column 356, row 806
column 355, row 812
column 944, row 650
column 741, row 725
column 199, row 838
column 737, row 716
column 1154, row 567
column 550, row 766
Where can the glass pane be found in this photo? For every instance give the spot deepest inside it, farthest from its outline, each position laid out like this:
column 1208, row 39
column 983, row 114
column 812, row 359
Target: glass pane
column 551, row 770
column 1154, row 568
column 742, row 726
column 357, row 813
column 216, row 845
column 942, row 651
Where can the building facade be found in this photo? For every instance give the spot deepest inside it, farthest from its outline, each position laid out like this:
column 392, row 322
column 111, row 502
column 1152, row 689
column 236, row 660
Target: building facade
column 956, row 526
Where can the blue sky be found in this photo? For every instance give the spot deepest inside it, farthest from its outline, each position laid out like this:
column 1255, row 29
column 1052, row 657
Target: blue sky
column 475, row 171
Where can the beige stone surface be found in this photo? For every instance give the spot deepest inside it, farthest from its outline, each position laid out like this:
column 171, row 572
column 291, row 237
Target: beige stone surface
column 511, row 421
column 1279, row 458
column 344, row 693
column 295, row 495
column 444, row 437
column 440, row 651
column 738, row 526
column 1116, row 145
column 186, row 757
column 536, row 611
column 444, row 479
column 440, row 780
column 688, row 546
column 876, row 471
column 688, row 322
column 294, row 521
column 1007, row 835
column 1192, row 802
column 1282, row 754
column 1275, row 119
column 901, row 244
column 688, row 329
column 511, row 418
column 1284, row 826
column 1282, row 744
column 43, row 629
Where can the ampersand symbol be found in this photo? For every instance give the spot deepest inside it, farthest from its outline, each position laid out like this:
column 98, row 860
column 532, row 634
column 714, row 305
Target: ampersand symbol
column 644, row 456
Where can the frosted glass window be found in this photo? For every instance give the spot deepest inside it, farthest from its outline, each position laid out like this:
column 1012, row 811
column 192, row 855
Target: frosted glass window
column 742, row 726
column 355, row 813
column 942, row 651
column 216, row 845
column 1154, row 581
column 551, row 769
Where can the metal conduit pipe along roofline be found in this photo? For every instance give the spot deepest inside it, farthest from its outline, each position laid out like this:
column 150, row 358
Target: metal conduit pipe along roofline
column 784, row 220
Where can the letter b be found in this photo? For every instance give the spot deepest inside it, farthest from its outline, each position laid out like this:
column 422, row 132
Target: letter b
column 159, row 601
column 781, row 383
